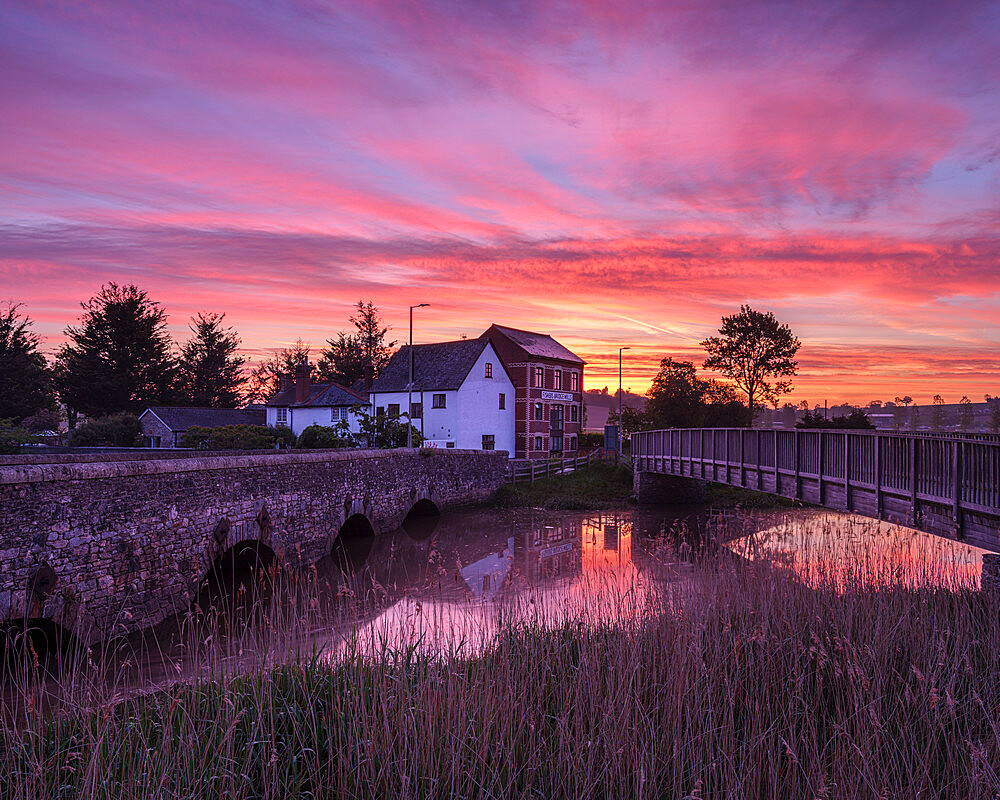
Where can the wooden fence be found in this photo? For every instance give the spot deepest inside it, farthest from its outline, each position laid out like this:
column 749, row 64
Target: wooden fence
column 531, row 469
column 946, row 485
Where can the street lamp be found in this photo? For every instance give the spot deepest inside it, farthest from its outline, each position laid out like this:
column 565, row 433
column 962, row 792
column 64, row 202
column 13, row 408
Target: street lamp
column 621, row 447
column 409, row 385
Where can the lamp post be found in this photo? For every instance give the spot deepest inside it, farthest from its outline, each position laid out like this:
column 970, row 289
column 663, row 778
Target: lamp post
column 621, row 447
column 409, row 385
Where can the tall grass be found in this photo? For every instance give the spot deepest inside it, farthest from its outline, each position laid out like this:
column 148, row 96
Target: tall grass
column 740, row 681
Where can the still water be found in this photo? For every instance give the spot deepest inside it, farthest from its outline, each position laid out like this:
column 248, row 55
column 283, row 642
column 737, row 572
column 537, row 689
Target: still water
column 450, row 584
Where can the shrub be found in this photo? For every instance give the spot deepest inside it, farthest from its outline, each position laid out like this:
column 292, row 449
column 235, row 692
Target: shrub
column 12, row 436
column 589, row 440
column 321, row 437
column 45, row 419
column 114, row 430
column 237, row 437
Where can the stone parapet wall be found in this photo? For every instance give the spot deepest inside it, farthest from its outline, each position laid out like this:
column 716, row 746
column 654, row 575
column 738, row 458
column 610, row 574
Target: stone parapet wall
column 106, row 548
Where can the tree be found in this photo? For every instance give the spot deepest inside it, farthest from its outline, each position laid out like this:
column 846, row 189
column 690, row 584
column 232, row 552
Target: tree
column 678, row 398
column 342, row 361
column 210, row 371
column 266, row 377
column 965, row 415
column 856, row 420
column 115, row 430
column 752, row 348
column 25, row 380
column 937, row 413
column 362, row 354
column 119, row 357
column 993, row 403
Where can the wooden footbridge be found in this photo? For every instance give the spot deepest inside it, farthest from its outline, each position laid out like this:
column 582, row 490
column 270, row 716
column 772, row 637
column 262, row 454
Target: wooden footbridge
column 946, row 485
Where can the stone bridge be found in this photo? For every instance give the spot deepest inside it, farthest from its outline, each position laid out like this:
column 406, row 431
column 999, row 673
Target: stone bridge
column 104, row 548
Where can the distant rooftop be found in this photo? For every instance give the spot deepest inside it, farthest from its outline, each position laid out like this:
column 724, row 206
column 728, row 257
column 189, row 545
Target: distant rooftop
column 537, row 344
column 321, row 394
column 441, row 366
column 181, row 418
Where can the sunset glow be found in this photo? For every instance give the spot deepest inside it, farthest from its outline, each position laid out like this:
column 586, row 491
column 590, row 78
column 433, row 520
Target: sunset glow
column 612, row 173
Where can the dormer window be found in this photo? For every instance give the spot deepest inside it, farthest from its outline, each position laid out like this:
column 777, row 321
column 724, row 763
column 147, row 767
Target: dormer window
column 489, row 369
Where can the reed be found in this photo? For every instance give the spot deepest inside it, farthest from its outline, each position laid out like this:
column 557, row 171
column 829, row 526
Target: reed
column 741, row 680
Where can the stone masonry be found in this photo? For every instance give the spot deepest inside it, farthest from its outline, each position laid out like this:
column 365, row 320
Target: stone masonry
column 107, row 548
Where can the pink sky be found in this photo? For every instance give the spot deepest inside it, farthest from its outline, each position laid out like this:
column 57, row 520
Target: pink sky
column 614, row 173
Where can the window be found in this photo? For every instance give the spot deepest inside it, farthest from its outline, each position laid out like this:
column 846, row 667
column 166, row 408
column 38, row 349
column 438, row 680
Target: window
column 438, row 401
column 573, row 413
column 574, row 381
column 450, row 445
column 539, row 381
column 489, row 441
column 380, row 411
column 489, row 372
column 503, row 401
column 572, row 443
column 393, row 409
column 538, row 442
column 282, row 416
column 556, row 444
column 557, row 380
column 338, row 413
column 416, row 410
column 539, row 411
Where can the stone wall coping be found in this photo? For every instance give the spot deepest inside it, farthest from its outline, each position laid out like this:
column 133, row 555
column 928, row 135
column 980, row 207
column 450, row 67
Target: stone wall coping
column 96, row 470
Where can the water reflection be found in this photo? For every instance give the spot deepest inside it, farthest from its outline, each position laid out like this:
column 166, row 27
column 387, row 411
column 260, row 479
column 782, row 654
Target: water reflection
column 452, row 583
column 837, row 550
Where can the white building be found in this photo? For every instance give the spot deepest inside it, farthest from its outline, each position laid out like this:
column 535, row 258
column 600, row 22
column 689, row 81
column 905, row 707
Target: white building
column 301, row 403
column 462, row 394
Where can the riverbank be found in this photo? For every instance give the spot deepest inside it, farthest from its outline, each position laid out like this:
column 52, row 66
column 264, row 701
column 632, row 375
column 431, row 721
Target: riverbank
column 603, row 486
column 745, row 684
column 598, row 486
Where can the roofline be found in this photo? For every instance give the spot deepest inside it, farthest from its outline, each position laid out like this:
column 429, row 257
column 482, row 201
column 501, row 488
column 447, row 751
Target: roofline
column 486, row 343
column 536, row 333
column 150, row 411
column 307, row 404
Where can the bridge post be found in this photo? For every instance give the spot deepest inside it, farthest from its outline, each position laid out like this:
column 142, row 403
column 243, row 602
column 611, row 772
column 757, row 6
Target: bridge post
column 956, row 487
column 777, row 473
column 798, row 478
column 913, row 481
column 847, row 471
column 819, row 469
column 877, row 477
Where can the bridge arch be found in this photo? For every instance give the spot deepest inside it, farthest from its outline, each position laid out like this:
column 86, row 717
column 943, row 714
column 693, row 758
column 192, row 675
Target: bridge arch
column 353, row 543
column 35, row 643
column 239, row 577
column 422, row 518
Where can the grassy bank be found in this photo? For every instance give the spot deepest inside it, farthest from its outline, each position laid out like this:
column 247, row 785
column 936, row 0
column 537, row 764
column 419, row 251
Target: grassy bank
column 746, row 685
column 601, row 485
column 594, row 487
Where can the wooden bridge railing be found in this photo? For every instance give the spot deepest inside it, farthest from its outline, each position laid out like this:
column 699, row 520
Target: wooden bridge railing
column 917, row 480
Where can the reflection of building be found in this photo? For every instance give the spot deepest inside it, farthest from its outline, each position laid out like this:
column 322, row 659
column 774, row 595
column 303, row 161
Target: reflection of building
column 548, row 551
column 485, row 576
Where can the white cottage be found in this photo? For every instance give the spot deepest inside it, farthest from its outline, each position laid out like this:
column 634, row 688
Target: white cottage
column 300, row 403
column 462, row 395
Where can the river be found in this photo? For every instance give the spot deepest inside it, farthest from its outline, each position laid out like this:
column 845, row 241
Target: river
column 451, row 584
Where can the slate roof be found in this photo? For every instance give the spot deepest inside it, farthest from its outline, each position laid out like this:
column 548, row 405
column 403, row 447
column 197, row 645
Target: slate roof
column 537, row 344
column 442, row 366
column 320, row 394
column 179, row 418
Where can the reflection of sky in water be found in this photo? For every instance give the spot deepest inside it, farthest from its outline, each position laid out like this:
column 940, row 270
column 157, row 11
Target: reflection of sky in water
column 544, row 569
column 834, row 549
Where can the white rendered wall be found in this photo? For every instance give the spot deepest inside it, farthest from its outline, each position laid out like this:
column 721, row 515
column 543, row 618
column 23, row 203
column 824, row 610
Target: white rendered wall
column 298, row 419
column 469, row 413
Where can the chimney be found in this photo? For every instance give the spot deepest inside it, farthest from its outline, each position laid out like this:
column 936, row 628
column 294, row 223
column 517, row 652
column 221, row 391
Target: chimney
column 284, row 383
column 302, row 381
